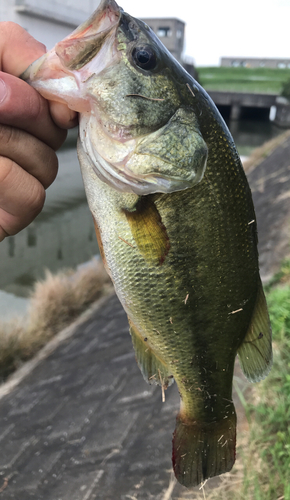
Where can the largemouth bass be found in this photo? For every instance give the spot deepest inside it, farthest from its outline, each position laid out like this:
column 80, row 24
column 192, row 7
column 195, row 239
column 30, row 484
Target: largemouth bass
column 174, row 220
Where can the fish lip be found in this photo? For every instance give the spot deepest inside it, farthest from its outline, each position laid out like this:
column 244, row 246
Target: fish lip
column 76, row 50
column 104, row 20
column 108, row 10
column 129, row 26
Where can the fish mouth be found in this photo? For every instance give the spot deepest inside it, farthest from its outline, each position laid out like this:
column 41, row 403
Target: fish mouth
column 58, row 75
column 72, row 73
column 86, row 41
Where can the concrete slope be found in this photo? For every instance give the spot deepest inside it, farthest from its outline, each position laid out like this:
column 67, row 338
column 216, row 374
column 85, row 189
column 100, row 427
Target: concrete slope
column 82, row 424
column 270, row 185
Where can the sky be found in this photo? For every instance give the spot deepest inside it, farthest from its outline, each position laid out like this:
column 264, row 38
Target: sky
column 217, row 28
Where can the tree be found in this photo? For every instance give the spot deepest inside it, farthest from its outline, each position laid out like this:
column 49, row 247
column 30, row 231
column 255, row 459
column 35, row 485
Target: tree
column 285, row 91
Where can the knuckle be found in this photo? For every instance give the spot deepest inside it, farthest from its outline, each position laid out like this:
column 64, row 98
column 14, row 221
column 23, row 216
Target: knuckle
column 38, row 107
column 6, row 169
column 9, row 28
column 51, row 171
column 36, row 199
column 7, row 135
column 14, row 31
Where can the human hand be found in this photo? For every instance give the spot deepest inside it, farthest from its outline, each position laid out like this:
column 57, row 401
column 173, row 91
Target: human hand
column 31, row 130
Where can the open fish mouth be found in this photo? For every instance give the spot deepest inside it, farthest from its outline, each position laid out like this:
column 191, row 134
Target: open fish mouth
column 61, row 73
column 113, row 70
column 87, row 40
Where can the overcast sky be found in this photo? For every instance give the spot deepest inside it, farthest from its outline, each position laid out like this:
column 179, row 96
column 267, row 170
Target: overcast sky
column 216, row 28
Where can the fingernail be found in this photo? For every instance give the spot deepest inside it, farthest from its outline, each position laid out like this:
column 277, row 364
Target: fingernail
column 3, row 91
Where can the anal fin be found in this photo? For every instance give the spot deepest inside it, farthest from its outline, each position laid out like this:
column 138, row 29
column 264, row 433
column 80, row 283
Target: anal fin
column 255, row 353
column 153, row 369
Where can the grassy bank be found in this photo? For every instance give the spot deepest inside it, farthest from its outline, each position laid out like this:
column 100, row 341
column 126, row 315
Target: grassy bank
column 256, row 80
column 262, row 469
column 55, row 302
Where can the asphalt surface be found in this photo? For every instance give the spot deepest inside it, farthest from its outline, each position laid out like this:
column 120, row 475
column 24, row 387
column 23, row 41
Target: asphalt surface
column 82, row 424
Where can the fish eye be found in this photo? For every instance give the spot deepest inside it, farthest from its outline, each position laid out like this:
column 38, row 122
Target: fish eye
column 144, row 57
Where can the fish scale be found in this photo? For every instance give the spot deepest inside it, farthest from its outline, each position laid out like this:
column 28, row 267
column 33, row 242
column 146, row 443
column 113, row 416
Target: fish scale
column 175, row 223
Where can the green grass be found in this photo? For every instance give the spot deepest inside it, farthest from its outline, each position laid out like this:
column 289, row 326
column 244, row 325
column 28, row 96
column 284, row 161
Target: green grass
column 256, row 80
column 266, row 474
column 262, row 469
column 272, row 413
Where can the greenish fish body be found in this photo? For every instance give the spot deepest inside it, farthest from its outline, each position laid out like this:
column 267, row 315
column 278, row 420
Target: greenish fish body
column 174, row 220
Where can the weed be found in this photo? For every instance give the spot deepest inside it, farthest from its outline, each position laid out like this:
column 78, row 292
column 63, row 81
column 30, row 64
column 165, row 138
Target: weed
column 55, row 302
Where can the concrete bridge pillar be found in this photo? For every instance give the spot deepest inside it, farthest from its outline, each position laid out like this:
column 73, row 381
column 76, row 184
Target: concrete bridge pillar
column 235, row 111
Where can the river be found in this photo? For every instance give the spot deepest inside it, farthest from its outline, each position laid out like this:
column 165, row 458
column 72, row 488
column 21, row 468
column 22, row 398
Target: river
column 62, row 236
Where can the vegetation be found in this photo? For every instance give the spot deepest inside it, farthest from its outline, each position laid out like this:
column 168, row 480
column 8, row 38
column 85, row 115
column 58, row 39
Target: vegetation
column 55, row 303
column 262, row 470
column 285, row 92
column 256, row 80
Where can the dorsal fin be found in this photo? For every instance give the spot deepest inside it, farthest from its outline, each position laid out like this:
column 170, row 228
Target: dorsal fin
column 255, row 353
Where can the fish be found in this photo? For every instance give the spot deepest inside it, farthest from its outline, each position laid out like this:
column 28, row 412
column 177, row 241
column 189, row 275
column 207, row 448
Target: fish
column 175, row 223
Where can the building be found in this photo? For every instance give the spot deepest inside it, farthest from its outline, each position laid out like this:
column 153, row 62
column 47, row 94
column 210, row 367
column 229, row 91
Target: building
column 49, row 21
column 255, row 62
column 171, row 33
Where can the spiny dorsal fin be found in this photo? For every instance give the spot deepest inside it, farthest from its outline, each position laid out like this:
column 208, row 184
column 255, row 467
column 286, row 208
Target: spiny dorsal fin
column 255, row 353
column 152, row 368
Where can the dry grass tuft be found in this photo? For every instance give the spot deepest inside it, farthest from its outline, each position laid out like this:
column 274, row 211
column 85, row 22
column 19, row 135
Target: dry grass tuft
column 55, row 302
column 259, row 154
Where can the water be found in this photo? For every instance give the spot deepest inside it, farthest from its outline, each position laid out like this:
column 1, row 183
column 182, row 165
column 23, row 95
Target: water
column 63, row 234
column 250, row 134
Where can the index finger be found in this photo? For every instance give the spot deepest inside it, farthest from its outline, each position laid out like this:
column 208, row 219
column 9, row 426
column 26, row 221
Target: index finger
column 18, row 49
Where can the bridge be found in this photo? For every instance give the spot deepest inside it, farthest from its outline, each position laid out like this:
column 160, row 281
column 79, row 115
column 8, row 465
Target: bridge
column 235, row 104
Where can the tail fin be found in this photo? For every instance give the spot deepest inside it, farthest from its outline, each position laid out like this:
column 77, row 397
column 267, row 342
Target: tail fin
column 203, row 450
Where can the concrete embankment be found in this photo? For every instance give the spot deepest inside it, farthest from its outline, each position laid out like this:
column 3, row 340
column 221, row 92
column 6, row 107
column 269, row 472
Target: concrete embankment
column 268, row 172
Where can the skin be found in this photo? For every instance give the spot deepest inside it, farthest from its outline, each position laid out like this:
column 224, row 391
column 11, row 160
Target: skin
column 31, row 130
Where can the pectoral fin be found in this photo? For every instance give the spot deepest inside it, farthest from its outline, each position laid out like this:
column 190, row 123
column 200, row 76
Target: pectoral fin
column 152, row 368
column 255, row 353
column 148, row 231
